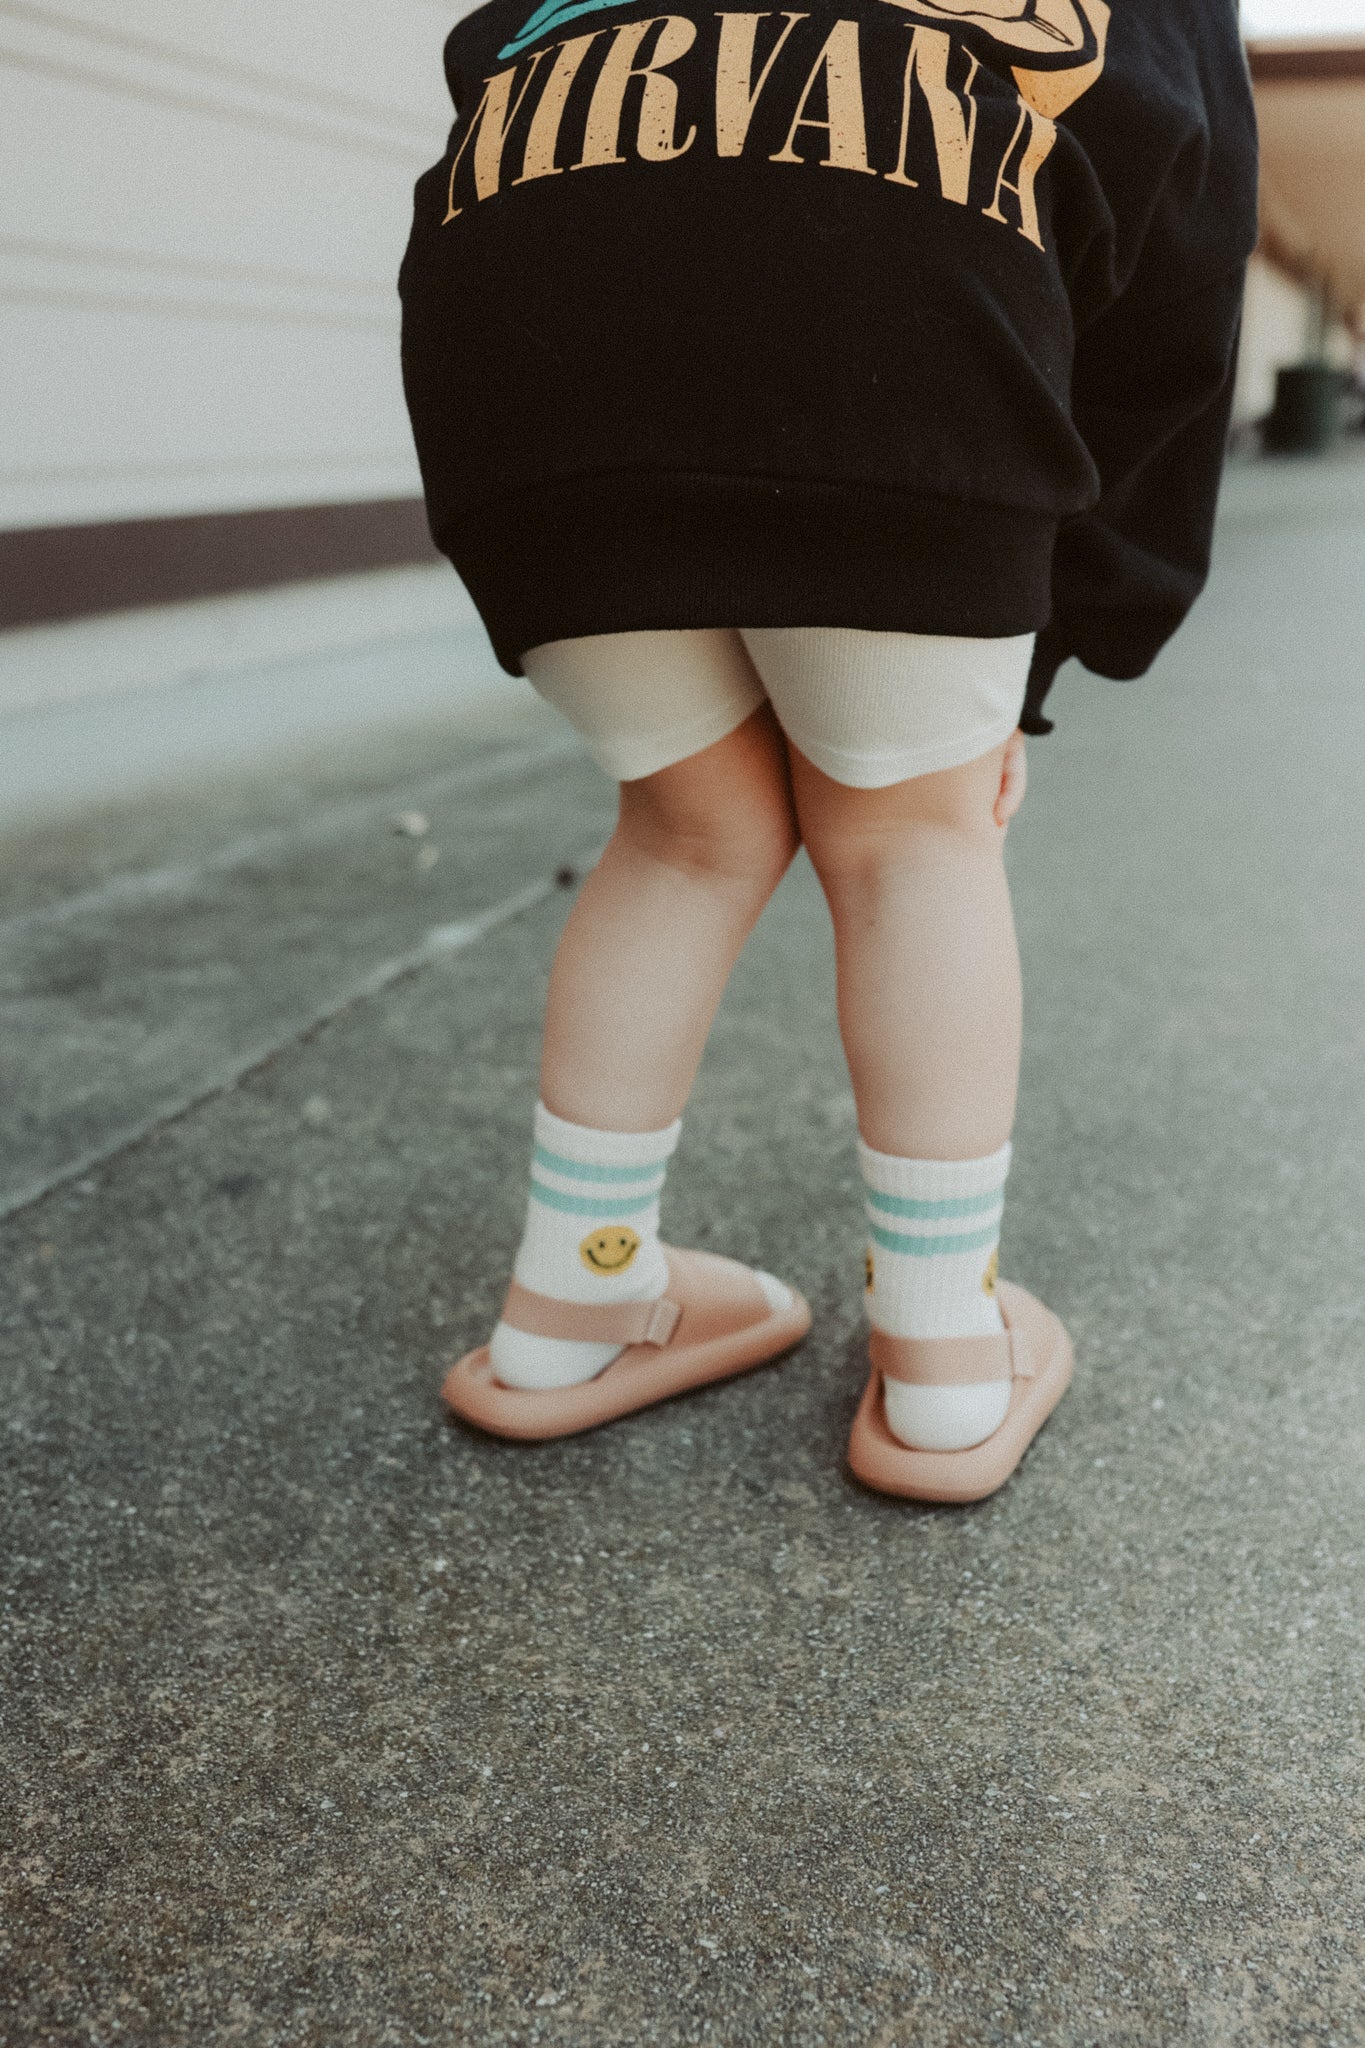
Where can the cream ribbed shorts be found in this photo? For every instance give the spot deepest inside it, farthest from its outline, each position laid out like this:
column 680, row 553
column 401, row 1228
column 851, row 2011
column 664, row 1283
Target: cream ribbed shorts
column 869, row 708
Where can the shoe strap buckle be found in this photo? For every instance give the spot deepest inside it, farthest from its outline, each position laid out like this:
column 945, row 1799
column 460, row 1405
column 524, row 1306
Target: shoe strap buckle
column 663, row 1321
column 1023, row 1361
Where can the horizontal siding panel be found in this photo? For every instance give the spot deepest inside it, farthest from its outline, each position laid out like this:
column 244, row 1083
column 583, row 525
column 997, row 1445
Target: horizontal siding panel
column 373, row 65
column 133, row 413
column 202, row 214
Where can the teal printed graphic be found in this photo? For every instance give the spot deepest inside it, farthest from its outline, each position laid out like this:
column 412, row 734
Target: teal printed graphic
column 551, row 14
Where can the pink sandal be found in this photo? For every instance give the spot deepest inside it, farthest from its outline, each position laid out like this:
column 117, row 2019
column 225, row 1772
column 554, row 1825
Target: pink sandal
column 714, row 1321
column 1034, row 1352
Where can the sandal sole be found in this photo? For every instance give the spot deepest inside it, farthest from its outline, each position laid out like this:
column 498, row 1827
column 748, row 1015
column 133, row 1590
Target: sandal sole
column 955, row 1478
column 640, row 1377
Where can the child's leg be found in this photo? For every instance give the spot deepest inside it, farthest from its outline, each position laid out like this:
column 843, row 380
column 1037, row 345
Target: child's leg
column 644, row 958
column 929, row 1008
column 929, row 992
column 659, row 923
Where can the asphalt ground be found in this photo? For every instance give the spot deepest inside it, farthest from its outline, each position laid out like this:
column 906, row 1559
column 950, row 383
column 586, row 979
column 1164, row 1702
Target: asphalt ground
column 326, row 1721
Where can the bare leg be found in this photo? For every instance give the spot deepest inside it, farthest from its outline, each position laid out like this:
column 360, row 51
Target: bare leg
column 929, row 992
column 659, row 923
column 929, row 1008
column 697, row 851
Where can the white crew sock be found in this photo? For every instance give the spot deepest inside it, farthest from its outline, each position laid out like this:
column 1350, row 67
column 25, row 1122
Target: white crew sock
column 592, row 1235
column 935, row 1233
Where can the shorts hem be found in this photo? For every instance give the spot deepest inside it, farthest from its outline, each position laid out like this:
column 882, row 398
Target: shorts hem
column 855, row 768
column 629, row 760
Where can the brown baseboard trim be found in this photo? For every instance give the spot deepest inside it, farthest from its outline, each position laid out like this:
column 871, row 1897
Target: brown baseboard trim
column 68, row 572
column 1310, row 61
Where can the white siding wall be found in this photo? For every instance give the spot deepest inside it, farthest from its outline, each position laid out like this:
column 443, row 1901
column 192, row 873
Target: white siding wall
column 202, row 211
column 1275, row 331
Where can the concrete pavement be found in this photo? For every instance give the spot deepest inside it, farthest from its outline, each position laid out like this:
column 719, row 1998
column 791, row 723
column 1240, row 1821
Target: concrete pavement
column 104, row 712
column 328, row 1722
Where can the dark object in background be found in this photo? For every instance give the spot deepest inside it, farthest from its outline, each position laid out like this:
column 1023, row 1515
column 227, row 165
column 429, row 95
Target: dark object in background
column 1307, row 414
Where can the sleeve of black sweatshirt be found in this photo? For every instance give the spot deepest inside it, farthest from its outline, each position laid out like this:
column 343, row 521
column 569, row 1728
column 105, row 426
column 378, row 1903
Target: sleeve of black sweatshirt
column 1152, row 397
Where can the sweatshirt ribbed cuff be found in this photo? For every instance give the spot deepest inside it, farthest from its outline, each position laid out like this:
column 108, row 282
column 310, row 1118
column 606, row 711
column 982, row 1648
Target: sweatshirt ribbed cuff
column 1049, row 652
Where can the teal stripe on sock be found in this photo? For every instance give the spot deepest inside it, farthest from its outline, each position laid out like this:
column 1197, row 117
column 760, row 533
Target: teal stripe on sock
column 605, row 1207
column 571, row 1169
column 933, row 1212
column 926, row 1247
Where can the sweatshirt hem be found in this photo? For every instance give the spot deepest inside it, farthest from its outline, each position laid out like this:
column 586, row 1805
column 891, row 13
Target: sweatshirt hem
column 629, row 551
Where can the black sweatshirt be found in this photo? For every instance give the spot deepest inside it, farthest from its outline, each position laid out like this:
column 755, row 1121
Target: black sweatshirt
column 909, row 314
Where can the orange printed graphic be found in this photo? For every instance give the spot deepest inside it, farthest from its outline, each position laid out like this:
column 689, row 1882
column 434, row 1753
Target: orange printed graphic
column 491, row 123
column 543, row 136
column 1062, row 41
column 952, row 114
column 736, row 92
column 843, row 97
column 1042, row 133
column 655, row 138
column 1052, row 50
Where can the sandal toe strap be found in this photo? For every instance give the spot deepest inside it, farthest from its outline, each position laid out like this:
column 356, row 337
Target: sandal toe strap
column 621, row 1322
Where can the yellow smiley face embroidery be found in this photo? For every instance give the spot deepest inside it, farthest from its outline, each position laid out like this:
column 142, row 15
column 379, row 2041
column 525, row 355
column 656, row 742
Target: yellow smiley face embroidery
column 609, row 1251
column 988, row 1277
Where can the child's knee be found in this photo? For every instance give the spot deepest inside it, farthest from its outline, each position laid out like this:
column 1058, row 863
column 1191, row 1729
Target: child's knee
column 749, row 849
column 850, row 833
column 725, row 814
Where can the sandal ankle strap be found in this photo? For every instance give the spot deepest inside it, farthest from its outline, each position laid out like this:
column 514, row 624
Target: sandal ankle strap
column 952, row 1361
column 621, row 1322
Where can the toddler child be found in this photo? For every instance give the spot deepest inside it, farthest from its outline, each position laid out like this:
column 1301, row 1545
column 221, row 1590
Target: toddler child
column 795, row 393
